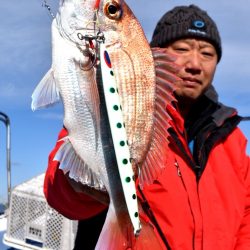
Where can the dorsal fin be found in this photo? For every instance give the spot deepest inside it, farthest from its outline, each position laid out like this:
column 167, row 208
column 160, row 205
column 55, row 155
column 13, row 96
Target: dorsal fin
column 156, row 158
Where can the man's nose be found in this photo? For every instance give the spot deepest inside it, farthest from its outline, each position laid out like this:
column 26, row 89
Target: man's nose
column 193, row 62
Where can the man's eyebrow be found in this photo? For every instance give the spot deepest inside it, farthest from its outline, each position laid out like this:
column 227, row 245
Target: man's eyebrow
column 204, row 44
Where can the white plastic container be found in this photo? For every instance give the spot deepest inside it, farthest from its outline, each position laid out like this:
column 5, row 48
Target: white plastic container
column 33, row 224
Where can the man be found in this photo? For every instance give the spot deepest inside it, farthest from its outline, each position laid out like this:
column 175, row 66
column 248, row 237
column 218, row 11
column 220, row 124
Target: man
column 202, row 198
column 214, row 177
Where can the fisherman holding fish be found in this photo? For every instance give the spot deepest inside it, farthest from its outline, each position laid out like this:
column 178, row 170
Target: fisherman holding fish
column 200, row 198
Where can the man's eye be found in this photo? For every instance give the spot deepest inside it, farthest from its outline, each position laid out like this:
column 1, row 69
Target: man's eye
column 208, row 54
column 181, row 49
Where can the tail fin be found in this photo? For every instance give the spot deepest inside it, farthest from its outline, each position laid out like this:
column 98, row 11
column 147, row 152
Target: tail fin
column 118, row 235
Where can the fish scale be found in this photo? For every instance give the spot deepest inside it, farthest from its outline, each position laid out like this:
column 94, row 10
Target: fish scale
column 136, row 83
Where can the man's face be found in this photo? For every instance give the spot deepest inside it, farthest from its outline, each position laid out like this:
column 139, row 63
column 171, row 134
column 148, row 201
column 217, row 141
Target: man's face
column 198, row 60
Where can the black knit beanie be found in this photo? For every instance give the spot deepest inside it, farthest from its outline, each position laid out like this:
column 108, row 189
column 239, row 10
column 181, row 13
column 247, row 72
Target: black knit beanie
column 183, row 22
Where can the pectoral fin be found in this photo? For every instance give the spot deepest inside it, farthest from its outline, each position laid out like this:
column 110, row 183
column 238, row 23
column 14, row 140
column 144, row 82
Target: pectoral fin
column 46, row 93
column 78, row 170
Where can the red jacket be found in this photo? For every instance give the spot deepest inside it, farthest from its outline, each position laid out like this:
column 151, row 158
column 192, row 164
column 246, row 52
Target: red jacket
column 211, row 214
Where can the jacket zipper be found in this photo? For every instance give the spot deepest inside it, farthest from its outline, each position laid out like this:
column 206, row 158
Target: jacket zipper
column 181, row 177
column 178, row 169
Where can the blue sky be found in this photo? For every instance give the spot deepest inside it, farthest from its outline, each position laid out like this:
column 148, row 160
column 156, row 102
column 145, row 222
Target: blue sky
column 25, row 56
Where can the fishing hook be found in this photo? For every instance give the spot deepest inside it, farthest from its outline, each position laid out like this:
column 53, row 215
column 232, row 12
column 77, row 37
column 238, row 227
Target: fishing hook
column 91, row 51
column 92, row 58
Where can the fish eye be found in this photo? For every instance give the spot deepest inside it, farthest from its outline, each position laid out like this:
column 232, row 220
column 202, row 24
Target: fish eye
column 113, row 10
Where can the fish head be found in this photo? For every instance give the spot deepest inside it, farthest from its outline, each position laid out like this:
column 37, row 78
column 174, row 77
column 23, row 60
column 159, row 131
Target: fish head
column 118, row 23
column 81, row 20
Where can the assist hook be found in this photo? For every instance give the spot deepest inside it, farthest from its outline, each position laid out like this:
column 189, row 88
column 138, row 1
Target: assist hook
column 92, row 49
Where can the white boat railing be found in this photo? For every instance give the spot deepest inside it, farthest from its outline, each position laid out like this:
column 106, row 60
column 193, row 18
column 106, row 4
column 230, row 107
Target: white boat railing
column 5, row 119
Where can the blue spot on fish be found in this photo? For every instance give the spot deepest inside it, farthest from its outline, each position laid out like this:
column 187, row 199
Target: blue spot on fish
column 107, row 59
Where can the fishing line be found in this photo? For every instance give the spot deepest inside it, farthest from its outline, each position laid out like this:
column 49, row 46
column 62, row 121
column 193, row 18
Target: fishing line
column 47, row 6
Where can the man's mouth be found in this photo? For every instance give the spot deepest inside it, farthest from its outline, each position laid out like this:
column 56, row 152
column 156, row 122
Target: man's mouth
column 191, row 82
